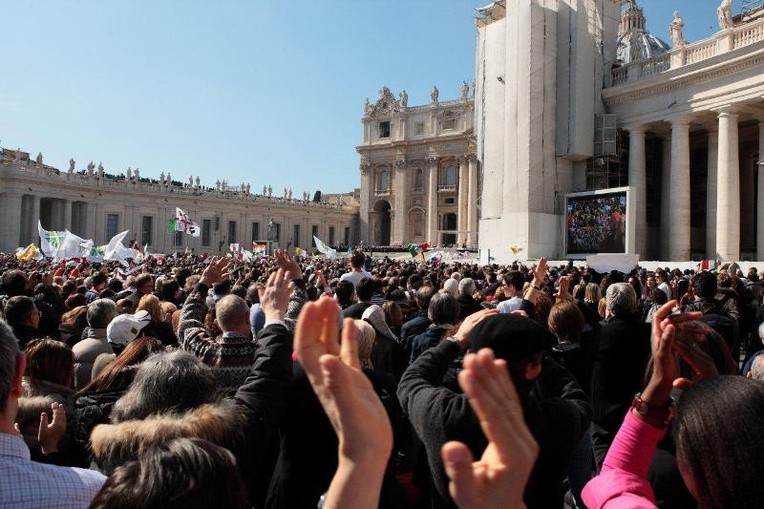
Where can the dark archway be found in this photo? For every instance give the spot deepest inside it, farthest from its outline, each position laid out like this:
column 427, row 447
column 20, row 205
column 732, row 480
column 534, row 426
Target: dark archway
column 381, row 231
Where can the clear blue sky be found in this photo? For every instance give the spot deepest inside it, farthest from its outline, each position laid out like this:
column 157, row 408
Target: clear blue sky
column 257, row 91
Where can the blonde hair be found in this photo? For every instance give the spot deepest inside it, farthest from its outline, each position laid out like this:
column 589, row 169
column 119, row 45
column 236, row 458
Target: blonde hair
column 150, row 303
column 365, row 337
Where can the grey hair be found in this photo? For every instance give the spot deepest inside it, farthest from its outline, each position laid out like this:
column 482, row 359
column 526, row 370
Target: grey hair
column 166, row 382
column 451, row 286
column 444, row 308
column 621, row 299
column 9, row 352
column 101, row 312
column 757, row 368
column 467, row 286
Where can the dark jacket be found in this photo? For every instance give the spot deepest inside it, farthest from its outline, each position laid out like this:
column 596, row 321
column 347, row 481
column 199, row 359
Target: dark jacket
column 618, row 374
column 468, row 305
column 308, row 449
column 356, row 310
column 556, row 411
column 424, row 341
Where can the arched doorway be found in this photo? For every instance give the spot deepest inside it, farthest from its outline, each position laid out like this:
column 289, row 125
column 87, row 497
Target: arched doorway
column 381, row 228
column 448, row 225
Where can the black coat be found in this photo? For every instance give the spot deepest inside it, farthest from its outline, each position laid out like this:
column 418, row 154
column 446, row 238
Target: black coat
column 556, row 411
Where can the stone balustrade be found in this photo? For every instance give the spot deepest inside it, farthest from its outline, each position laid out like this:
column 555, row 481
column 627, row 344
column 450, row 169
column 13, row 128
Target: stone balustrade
column 146, row 185
column 721, row 42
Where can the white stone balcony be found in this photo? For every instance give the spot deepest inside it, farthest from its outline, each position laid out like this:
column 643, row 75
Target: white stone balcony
column 721, row 42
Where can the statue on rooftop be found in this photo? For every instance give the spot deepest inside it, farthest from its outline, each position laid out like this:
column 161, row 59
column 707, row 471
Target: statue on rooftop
column 100, row 169
column 169, row 179
column 367, row 106
column 434, row 94
column 265, row 190
column 724, row 13
column 217, row 184
column 404, row 99
column 91, row 167
column 137, row 174
column 190, row 181
column 71, row 165
column 465, row 90
column 161, row 178
column 289, row 194
column 675, row 30
column 196, row 181
column 270, row 191
column 247, row 188
column 38, row 160
column 129, row 173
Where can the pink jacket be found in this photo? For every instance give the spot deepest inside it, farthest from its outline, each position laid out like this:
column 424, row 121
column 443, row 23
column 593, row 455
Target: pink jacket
column 622, row 483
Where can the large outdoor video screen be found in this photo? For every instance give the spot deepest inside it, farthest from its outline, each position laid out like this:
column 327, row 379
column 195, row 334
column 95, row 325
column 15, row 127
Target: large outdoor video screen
column 596, row 223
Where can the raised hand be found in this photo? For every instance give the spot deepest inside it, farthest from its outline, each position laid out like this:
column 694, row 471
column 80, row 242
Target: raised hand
column 287, row 262
column 348, row 398
column 469, row 323
column 51, row 431
column 217, row 270
column 498, row 479
column 274, row 297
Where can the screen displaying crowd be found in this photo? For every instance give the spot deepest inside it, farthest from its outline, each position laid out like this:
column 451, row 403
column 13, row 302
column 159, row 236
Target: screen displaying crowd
column 596, row 224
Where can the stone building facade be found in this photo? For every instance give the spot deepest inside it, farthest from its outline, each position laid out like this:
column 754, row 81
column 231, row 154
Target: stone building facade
column 685, row 124
column 419, row 174
column 96, row 205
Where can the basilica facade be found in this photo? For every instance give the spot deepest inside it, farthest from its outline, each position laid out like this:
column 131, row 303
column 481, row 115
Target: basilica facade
column 97, row 205
column 419, row 172
column 579, row 96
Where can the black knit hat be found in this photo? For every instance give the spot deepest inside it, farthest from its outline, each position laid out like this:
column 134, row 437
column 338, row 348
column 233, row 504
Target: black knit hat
column 511, row 337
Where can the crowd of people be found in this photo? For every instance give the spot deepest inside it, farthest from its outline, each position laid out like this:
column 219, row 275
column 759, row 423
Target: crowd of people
column 286, row 382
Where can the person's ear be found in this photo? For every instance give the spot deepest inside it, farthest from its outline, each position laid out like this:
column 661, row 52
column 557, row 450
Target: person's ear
column 17, row 388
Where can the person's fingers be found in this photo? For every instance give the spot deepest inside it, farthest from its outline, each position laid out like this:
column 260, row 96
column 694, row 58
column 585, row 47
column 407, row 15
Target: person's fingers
column 662, row 313
column 329, row 330
column 457, row 459
column 307, row 342
column 349, row 344
column 44, row 423
column 682, row 383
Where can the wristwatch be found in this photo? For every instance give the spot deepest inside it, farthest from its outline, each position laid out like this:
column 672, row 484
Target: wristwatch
column 659, row 415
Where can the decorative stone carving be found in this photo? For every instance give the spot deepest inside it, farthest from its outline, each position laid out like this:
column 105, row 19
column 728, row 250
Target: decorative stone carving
column 367, row 107
column 400, row 163
column 100, row 169
column 465, row 90
column 434, row 94
column 724, row 13
column 169, row 179
column 161, row 178
column 71, row 165
column 91, row 168
column 676, row 29
column 129, row 173
column 137, row 174
column 196, row 181
column 432, row 160
column 270, row 192
column 38, row 160
column 404, row 99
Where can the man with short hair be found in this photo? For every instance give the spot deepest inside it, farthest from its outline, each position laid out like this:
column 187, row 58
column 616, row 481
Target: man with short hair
column 25, row 483
column 357, row 272
column 22, row 315
column 364, row 290
column 419, row 322
column 98, row 284
column 467, row 302
column 144, row 285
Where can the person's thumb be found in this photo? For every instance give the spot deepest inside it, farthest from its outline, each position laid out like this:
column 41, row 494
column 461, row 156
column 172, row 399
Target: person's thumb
column 44, row 420
column 457, row 459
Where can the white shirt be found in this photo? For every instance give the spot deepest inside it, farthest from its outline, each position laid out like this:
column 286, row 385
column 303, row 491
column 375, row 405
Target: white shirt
column 354, row 277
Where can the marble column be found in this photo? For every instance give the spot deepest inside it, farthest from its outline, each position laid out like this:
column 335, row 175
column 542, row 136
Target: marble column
column 665, row 198
column 760, row 197
column 366, row 194
column 10, row 226
column 638, row 181
column 67, row 205
column 31, row 234
column 679, row 207
column 433, row 237
column 399, row 212
column 713, row 159
column 472, row 202
column 728, row 189
column 462, row 201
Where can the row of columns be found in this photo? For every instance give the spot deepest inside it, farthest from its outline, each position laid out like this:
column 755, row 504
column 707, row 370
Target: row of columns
column 723, row 198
